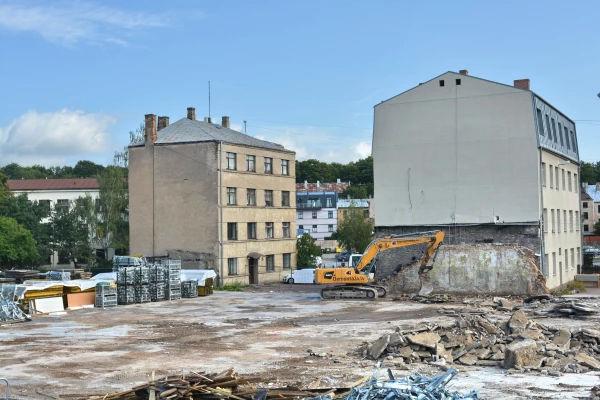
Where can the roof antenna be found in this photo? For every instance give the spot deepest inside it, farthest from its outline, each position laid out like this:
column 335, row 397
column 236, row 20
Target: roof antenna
column 245, row 127
column 209, row 102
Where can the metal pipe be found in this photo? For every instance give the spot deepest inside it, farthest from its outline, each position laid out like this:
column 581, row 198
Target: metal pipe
column 7, row 387
column 221, row 206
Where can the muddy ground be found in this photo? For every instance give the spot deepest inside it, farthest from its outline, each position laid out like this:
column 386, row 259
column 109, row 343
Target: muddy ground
column 266, row 331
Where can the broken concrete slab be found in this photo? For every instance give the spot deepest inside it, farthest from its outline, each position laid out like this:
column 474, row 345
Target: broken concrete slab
column 395, row 339
column 520, row 353
column 468, row 359
column 591, row 333
column 425, row 339
column 587, row 360
column 562, row 338
column 532, row 334
column 518, row 321
column 441, row 351
column 379, row 346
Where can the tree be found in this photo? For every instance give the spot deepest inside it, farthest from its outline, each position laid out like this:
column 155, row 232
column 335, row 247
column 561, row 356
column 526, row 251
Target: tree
column 355, row 230
column 87, row 169
column 17, row 246
column 355, row 192
column 4, row 189
column 588, row 173
column 70, row 235
column 113, row 209
column 307, row 251
column 597, row 228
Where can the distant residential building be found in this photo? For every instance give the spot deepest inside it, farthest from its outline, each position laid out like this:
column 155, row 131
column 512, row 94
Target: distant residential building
column 215, row 197
column 484, row 161
column 317, row 212
column 338, row 187
column 345, row 204
column 590, row 207
column 55, row 193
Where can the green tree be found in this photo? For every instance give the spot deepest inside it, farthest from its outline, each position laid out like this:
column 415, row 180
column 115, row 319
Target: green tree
column 71, row 235
column 113, row 209
column 87, row 169
column 307, row 251
column 17, row 246
column 4, row 189
column 588, row 173
column 355, row 230
column 597, row 228
column 355, row 192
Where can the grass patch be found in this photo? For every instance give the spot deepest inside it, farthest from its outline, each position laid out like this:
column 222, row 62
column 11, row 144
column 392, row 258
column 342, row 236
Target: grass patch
column 575, row 285
column 234, row 287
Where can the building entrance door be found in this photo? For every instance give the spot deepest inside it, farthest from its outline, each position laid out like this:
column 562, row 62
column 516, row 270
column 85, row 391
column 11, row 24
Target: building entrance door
column 253, row 270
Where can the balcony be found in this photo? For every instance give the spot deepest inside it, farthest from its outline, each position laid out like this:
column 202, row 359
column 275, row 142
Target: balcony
column 311, row 205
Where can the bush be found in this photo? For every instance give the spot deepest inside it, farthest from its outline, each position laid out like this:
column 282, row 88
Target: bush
column 234, row 287
column 571, row 286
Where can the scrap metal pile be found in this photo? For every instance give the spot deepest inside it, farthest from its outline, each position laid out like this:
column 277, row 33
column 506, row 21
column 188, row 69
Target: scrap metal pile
column 9, row 309
column 519, row 344
column 228, row 385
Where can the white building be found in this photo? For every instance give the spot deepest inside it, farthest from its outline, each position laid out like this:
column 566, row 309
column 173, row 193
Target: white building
column 317, row 212
column 57, row 193
column 486, row 162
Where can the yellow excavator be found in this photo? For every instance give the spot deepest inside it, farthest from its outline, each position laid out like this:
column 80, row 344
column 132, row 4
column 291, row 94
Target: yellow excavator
column 357, row 282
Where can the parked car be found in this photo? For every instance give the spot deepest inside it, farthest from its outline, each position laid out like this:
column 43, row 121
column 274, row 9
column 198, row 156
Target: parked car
column 301, row 276
column 343, row 256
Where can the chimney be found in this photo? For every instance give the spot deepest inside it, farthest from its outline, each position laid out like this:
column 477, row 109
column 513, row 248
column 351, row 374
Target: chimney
column 339, row 180
column 464, row 72
column 318, row 184
column 522, row 84
column 163, row 122
column 150, row 134
column 191, row 113
column 598, row 186
column 225, row 122
column 305, row 184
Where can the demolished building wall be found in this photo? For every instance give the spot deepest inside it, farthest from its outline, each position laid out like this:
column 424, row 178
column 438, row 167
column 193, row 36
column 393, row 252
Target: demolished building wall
column 489, row 269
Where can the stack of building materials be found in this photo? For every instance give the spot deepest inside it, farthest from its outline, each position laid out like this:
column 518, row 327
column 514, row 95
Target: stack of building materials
column 81, row 274
column 58, row 276
column 207, row 289
column 21, row 275
column 189, row 289
column 132, row 280
column 106, row 295
column 172, row 279
column 156, row 274
column 9, row 310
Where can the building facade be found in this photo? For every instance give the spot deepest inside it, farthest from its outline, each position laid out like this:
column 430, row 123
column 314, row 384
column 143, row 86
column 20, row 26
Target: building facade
column 59, row 193
column 590, row 207
column 317, row 212
column 338, row 186
column 486, row 162
column 345, row 204
column 215, row 197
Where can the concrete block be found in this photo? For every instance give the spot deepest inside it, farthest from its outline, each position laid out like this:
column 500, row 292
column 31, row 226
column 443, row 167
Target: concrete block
column 379, row 346
column 518, row 321
column 520, row 353
column 425, row 339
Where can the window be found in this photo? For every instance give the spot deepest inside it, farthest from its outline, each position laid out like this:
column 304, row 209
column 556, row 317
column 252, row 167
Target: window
column 575, row 182
column 571, row 220
column 441, row 83
column 268, row 165
column 62, row 205
column 286, row 229
column 551, row 176
column 552, row 216
column 548, row 127
column 251, row 163
column 560, row 133
column 566, row 259
column 556, row 176
column 457, row 82
column 567, row 139
column 578, row 256
column 345, row 213
column 269, row 198
column 540, row 122
column 573, row 142
column 585, row 215
column 554, row 263
column 232, row 266
column 366, row 213
column 330, row 228
column 231, row 231
column 231, row 196
column 251, row 196
column 569, row 180
column 251, row 230
column 45, row 205
column 285, row 167
column 300, row 214
column 572, row 258
column 314, row 228
column 554, row 131
column 285, row 198
column 564, row 186
column 558, row 221
column 314, row 215
column 330, row 214
column 269, row 230
column 545, row 220
column 546, row 264
column 584, row 204
column 231, row 161
column 586, row 228
column 301, row 227
column 577, row 221
column 329, row 202
column 287, row 260
column 543, row 173
column 565, row 220
column 599, row 208
column 270, row 263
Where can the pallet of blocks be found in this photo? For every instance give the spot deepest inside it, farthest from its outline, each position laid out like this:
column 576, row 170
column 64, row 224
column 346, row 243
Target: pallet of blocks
column 106, row 295
column 173, row 279
column 207, row 289
column 189, row 289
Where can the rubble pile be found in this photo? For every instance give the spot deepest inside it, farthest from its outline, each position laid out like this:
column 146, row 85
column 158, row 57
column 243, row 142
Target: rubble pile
column 517, row 344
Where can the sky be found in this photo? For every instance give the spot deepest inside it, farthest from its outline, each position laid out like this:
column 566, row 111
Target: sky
column 77, row 76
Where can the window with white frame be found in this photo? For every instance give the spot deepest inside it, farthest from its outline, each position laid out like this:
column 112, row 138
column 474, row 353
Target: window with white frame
column 251, row 197
column 250, row 163
column 232, row 266
column 329, row 202
column 330, row 228
column 269, row 198
column 287, row 260
column 300, row 215
column 231, row 196
column 330, row 214
column 286, row 229
column 285, row 167
column 231, row 164
column 269, row 230
column 62, row 205
column 314, row 215
column 268, row 165
column 314, row 228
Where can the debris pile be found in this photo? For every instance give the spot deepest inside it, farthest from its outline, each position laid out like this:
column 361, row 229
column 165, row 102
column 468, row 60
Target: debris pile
column 58, row 276
column 9, row 309
column 517, row 344
column 415, row 387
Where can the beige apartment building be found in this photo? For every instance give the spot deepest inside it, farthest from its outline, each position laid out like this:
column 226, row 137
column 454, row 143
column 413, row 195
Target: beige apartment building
column 484, row 161
column 215, row 197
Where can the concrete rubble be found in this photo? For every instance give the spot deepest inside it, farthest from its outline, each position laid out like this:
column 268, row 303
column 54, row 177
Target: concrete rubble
column 518, row 344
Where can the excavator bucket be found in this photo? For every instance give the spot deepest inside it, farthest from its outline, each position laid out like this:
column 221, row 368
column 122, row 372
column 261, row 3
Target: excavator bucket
column 425, row 287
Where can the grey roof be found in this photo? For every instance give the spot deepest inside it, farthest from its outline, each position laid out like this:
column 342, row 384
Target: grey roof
column 190, row 131
column 593, row 193
column 362, row 203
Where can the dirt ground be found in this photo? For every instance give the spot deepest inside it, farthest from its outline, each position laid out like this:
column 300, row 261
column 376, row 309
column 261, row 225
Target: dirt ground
column 266, row 331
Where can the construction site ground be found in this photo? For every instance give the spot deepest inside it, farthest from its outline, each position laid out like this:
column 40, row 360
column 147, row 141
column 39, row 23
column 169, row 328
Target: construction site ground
column 265, row 330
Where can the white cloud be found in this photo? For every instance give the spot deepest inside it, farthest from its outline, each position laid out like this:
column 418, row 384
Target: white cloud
column 49, row 138
column 73, row 22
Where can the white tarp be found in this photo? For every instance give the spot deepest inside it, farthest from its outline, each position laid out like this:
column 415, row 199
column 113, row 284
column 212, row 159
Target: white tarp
column 105, row 276
column 83, row 284
column 198, row 274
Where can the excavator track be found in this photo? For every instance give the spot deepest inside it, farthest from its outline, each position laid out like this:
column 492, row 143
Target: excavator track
column 348, row 292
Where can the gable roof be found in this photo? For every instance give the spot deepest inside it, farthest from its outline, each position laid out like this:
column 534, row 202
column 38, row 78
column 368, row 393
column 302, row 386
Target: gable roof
column 53, row 184
column 191, row 131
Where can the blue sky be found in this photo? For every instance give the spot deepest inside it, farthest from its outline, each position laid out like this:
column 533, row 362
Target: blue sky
column 78, row 76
